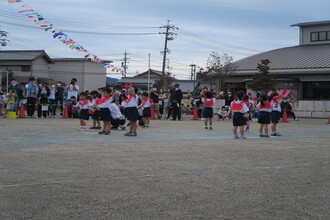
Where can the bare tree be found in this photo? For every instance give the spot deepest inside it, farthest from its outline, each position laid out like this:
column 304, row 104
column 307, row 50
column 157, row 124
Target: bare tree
column 219, row 69
column 165, row 81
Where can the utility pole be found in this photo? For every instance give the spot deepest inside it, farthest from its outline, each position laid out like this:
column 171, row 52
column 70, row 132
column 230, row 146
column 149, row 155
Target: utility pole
column 168, row 36
column 193, row 74
column 124, row 64
column 149, row 73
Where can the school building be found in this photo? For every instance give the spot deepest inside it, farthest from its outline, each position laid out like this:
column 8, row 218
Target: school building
column 23, row 64
column 304, row 69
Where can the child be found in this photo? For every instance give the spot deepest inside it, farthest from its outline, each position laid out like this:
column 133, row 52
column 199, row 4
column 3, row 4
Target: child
column 146, row 111
column 222, row 113
column 117, row 118
column 10, row 102
column 264, row 115
column 207, row 113
column 248, row 114
column 96, row 115
column 238, row 108
column 105, row 114
column 275, row 115
column 84, row 106
column 131, row 111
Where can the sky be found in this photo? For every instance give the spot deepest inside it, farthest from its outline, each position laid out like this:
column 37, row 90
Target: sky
column 239, row 28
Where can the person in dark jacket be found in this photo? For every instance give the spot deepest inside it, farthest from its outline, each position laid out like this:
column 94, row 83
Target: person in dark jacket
column 59, row 96
column 176, row 102
column 43, row 94
column 286, row 105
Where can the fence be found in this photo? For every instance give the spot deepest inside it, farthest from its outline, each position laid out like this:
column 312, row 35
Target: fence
column 312, row 109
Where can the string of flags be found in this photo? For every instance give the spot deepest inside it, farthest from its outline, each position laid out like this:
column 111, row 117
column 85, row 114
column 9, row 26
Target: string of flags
column 56, row 33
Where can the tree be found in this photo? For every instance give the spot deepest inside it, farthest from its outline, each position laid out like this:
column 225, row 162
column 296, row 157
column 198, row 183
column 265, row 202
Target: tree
column 219, row 69
column 262, row 80
column 165, row 81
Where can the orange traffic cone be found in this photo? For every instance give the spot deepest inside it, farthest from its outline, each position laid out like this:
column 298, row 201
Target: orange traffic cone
column 21, row 111
column 284, row 116
column 65, row 112
column 195, row 114
column 328, row 120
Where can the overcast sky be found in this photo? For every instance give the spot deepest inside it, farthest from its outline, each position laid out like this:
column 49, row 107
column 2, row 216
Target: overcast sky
column 237, row 27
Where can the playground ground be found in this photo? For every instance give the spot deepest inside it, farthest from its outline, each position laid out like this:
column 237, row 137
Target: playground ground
column 172, row 170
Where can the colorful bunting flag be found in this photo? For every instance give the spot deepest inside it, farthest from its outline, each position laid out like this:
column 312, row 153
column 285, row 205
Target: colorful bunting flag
column 58, row 34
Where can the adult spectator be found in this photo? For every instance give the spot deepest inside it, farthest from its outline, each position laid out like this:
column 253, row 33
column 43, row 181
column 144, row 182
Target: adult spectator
column 162, row 97
column 287, row 106
column 59, row 96
column 16, row 88
column 154, row 95
column 31, row 96
column 176, row 103
column 72, row 89
column 229, row 99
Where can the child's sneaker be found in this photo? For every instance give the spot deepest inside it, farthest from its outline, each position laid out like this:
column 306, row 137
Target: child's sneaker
column 81, row 129
column 147, row 126
column 273, row 134
column 266, row 135
column 106, row 132
column 127, row 133
column 278, row 134
column 236, row 137
column 210, row 128
column 206, row 128
column 243, row 137
column 101, row 132
column 85, row 128
column 122, row 127
column 132, row 134
column 261, row 135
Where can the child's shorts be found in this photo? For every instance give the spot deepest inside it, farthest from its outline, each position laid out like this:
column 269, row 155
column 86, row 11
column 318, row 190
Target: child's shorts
column 96, row 115
column 84, row 115
column 207, row 112
column 10, row 107
column 264, row 118
column 275, row 117
column 238, row 119
column 132, row 113
column 105, row 114
column 146, row 113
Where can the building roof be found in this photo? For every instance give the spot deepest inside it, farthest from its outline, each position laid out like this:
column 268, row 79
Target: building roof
column 314, row 23
column 152, row 71
column 305, row 57
column 23, row 55
column 73, row 59
column 112, row 80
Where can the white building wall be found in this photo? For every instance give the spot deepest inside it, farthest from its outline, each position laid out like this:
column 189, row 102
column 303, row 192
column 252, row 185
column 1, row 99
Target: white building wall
column 40, row 68
column 90, row 75
column 306, row 34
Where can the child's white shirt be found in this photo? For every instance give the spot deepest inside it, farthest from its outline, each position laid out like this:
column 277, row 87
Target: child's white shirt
column 105, row 104
column 132, row 102
column 115, row 111
column 88, row 105
column 276, row 106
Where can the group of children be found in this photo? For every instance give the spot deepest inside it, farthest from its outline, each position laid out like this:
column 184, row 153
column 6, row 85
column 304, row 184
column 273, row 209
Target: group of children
column 112, row 109
column 240, row 112
column 7, row 102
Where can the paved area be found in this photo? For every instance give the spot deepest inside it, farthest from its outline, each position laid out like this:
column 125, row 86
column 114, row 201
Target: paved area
column 172, row 170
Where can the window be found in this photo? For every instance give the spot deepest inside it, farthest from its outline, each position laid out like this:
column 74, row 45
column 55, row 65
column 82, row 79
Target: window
column 314, row 36
column 320, row 36
column 316, row 90
column 323, row 35
column 26, row 68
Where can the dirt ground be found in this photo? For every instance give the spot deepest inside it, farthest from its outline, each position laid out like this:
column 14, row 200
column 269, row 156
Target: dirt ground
column 172, row 170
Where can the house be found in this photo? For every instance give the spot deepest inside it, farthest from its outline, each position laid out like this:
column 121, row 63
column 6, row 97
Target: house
column 90, row 75
column 141, row 81
column 304, row 69
column 22, row 64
